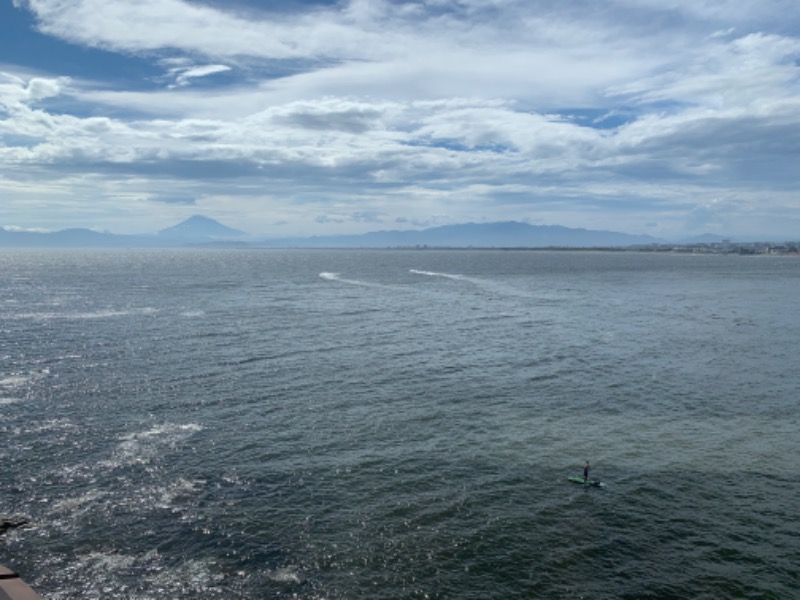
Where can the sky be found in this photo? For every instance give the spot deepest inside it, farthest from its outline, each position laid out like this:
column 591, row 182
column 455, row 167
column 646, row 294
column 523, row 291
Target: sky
column 672, row 118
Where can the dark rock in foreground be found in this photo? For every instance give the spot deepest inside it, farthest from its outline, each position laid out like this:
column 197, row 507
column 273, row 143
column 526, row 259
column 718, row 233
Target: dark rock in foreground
column 12, row 522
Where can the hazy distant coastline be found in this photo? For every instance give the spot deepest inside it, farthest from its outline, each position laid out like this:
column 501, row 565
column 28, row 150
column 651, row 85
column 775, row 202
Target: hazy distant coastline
column 205, row 232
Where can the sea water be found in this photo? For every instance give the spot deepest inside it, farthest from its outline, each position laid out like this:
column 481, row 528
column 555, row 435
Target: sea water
column 400, row 424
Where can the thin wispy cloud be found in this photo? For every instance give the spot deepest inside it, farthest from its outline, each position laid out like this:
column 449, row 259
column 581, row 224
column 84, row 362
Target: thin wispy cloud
column 343, row 117
column 181, row 72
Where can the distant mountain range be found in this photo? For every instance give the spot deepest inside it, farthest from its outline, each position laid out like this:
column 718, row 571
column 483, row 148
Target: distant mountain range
column 509, row 234
column 200, row 230
column 193, row 231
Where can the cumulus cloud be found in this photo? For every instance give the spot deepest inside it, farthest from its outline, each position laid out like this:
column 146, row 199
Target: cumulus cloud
column 16, row 91
column 328, row 114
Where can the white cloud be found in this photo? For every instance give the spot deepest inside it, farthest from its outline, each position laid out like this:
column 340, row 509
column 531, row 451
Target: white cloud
column 726, row 74
column 24, row 229
column 400, row 111
column 464, row 153
column 156, row 24
column 183, row 75
column 15, row 91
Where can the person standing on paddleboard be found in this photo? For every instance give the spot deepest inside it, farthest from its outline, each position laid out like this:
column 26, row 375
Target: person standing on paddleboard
column 586, row 472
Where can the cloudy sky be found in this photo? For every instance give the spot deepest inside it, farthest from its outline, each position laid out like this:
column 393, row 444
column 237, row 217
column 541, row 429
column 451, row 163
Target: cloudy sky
column 299, row 117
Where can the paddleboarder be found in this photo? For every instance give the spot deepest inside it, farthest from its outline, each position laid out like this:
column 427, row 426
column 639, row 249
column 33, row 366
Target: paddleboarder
column 586, row 472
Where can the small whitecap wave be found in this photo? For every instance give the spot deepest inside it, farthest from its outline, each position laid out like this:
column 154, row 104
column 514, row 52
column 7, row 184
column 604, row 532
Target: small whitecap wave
column 49, row 425
column 107, row 574
column 14, row 381
column 8, row 401
column 330, row 276
column 180, row 488
column 104, row 564
column 163, row 429
column 83, row 316
column 77, row 503
column 190, row 578
column 142, row 446
column 109, row 314
column 289, row 574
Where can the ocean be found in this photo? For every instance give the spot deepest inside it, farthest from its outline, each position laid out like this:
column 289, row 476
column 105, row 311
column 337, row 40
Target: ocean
column 400, row 424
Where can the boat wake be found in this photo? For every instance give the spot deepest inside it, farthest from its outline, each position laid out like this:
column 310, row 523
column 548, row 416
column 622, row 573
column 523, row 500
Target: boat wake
column 445, row 275
column 337, row 277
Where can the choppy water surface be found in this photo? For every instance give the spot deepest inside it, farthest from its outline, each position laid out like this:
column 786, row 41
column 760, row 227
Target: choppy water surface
column 265, row 424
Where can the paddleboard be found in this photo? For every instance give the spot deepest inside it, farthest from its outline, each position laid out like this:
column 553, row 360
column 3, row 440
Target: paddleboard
column 594, row 482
